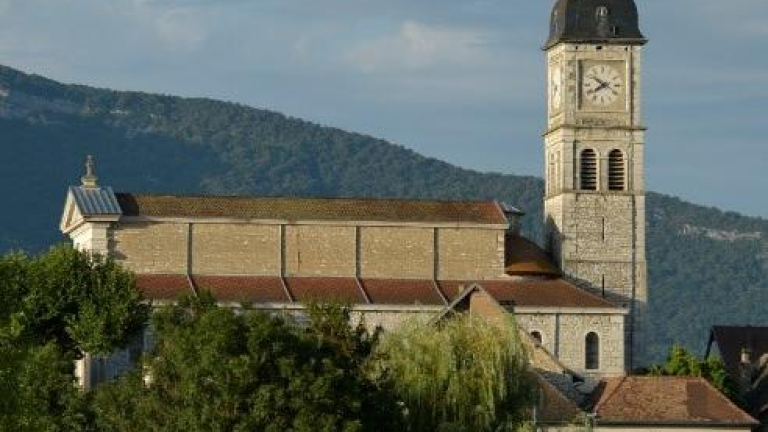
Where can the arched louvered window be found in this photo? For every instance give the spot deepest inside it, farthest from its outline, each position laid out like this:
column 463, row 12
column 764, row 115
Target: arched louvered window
column 616, row 171
column 592, row 352
column 588, row 170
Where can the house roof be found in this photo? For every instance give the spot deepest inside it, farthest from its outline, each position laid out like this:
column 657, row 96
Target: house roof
column 540, row 292
column 669, row 401
column 731, row 341
column 95, row 201
column 554, row 407
column 524, row 257
column 316, row 209
column 403, row 292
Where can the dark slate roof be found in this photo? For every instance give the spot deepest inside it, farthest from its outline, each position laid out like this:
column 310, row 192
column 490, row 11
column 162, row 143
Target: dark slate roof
column 315, row 209
column 667, row 401
column 96, row 201
column 731, row 341
column 578, row 21
column 524, row 257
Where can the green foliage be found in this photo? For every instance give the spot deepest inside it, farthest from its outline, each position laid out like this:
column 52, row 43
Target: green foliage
column 682, row 363
column 220, row 370
column 52, row 308
column 38, row 391
column 79, row 302
column 468, row 374
column 154, row 143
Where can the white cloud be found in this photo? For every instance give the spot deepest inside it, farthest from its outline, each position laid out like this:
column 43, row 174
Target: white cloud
column 417, row 46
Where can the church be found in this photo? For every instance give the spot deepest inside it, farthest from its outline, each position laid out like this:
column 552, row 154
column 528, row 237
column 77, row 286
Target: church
column 581, row 299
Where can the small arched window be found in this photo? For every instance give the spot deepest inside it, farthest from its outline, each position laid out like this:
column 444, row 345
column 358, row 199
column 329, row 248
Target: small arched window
column 588, row 170
column 616, row 171
column 592, row 352
column 536, row 335
column 602, row 12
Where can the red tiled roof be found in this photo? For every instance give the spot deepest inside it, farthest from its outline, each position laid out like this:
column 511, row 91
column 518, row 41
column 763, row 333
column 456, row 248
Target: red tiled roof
column 343, row 290
column 163, row 287
column 327, row 209
column 256, row 289
column 665, row 401
column 402, row 292
column 524, row 257
column 251, row 289
column 532, row 293
column 555, row 407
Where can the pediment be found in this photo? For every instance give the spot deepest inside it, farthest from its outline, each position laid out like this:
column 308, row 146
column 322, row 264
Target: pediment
column 71, row 218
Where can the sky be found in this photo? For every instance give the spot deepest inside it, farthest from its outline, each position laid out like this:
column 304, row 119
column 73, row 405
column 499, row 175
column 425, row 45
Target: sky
column 459, row 80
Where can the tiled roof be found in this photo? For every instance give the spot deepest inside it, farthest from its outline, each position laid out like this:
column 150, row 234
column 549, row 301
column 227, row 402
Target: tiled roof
column 555, row 407
column 343, row 290
column 532, row 293
column 403, row 292
column 665, row 401
column 163, row 287
column 243, row 289
column 524, row 257
column 256, row 289
column 316, row 209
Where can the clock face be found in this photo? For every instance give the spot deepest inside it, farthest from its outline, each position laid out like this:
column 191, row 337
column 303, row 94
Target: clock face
column 556, row 87
column 602, row 85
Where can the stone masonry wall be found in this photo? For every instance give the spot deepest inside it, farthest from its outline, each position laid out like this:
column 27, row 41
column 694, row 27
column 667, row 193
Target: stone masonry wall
column 387, row 252
column 147, row 247
column 394, row 252
column 564, row 336
column 235, row 249
column 470, row 254
column 319, row 250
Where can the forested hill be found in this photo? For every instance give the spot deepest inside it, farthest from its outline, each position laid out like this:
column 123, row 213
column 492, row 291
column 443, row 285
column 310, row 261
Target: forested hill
column 706, row 266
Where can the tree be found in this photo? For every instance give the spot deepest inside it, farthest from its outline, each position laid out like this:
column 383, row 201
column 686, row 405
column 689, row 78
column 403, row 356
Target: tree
column 80, row 302
column 682, row 363
column 54, row 307
column 467, row 374
column 216, row 369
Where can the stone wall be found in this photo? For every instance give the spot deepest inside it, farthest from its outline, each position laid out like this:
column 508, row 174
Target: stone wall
column 394, row 252
column 235, row 249
column 470, row 254
column 147, row 247
column 564, row 334
column 388, row 252
column 318, row 250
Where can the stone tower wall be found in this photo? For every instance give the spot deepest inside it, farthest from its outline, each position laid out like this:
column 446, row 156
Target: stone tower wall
column 598, row 237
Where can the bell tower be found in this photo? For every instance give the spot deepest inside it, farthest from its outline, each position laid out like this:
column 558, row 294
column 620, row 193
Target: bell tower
column 595, row 193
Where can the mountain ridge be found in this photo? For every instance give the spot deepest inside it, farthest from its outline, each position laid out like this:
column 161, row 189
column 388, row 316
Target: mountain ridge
column 166, row 144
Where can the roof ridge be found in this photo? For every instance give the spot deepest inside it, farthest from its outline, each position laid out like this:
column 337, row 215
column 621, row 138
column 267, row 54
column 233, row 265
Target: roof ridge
column 317, row 198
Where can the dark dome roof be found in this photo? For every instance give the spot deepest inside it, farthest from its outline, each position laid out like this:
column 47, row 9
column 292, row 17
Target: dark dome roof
column 604, row 21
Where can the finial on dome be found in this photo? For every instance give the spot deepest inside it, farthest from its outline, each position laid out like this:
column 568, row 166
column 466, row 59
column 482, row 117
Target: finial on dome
column 89, row 179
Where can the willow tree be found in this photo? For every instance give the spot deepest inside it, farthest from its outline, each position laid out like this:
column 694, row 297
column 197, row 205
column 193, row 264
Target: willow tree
column 466, row 374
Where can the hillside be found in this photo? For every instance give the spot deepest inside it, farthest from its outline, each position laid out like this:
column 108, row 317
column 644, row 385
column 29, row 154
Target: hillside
column 706, row 266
